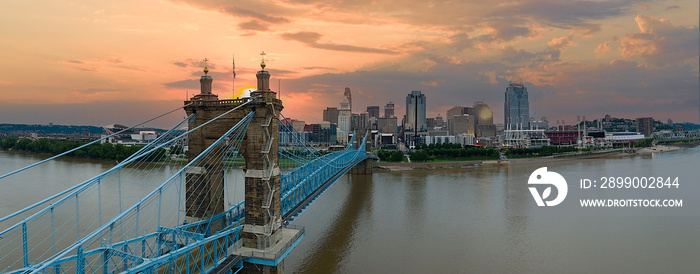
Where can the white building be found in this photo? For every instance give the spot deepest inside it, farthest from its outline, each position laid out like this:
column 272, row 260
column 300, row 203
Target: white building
column 439, row 140
column 344, row 121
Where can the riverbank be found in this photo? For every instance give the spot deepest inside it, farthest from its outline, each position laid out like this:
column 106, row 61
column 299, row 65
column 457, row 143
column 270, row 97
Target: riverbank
column 403, row 166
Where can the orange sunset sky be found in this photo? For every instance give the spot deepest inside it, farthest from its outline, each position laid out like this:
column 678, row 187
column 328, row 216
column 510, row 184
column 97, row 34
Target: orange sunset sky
column 103, row 62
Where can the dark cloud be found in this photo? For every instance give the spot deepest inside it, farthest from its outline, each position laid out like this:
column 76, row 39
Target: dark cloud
column 191, row 84
column 311, row 40
column 253, row 25
column 673, row 7
column 75, row 61
column 238, row 11
column 513, row 55
column 196, row 63
column 505, row 31
column 566, row 14
column 561, row 88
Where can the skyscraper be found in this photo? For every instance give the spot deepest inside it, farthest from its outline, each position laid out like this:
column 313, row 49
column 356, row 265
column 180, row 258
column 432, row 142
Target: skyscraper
column 330, row 114
column 389, row 110
column 415, row 112
column 373, row 111
column 516, row 107
column 347, row 95
column 484, row 126
column 344, row 121
column 458, row 111
column 645, row 125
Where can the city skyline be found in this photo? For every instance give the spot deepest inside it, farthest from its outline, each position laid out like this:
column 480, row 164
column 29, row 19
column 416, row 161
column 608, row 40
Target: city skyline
column 97, row 63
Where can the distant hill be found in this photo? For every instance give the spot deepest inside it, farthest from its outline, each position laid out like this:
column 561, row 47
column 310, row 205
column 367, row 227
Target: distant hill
column 688, row 126
column 56, row 129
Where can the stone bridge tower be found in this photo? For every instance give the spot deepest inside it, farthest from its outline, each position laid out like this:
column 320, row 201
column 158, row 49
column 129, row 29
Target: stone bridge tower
column 262, row 230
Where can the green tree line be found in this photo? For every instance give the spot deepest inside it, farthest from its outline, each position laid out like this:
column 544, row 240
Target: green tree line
column 96, row 151
column 539, row 151
column 390, row 156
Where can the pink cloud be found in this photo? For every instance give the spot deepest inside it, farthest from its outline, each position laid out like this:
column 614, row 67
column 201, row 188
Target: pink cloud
column 604, row 47
column 660, row 42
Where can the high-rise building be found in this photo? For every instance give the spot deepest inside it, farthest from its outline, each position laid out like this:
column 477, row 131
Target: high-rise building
column 324, row 132
column 362, row 121
column 462, row 124
column 645, row 125
column 344, row 121
column 298, row 125
column 415, row 112
column 430, row 122
column 516, row 107
column 330, row 114
column 387, row 125
column 389, row 110
column 373, row 111
column 483, row 123
column 349, row 96
column 458, row 111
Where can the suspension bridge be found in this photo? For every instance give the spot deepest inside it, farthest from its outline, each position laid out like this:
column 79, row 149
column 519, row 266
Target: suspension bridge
column 168, row 209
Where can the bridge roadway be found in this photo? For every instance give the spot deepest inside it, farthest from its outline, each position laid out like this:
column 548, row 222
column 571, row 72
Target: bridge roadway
column 276, row 254
column 295, row 211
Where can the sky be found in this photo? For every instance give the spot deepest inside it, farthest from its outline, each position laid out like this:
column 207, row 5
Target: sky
column 104, row 62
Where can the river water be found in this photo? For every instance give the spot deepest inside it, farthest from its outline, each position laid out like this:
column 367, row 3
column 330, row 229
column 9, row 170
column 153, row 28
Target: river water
column 459, row 220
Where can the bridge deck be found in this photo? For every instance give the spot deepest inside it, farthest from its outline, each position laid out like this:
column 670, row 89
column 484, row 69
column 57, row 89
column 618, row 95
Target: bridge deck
column 294, row 212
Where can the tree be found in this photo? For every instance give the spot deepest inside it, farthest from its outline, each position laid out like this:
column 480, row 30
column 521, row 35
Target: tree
column 420, row 156
column 8, row 143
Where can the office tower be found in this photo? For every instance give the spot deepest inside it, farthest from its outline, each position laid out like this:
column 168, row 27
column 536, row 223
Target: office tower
column 458, row 111
column 389, row 110
column 645, row 125
column 483, row 123
column 349, row 96
column 516, row 106
column 330, row 114
column 373, row 111
column 462, row 124
column 415, row 112
column 344, row 121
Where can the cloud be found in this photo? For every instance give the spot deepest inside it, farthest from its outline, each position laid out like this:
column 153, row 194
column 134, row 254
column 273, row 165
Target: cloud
column 197, row 63
column 238, row 11
column 504, row 31
column 316, row 67
column 97, row 90
column 660, row 42
column 184, row 84
column 566, row 14
column 253, row 25
column 311, row 40
column 603, row 47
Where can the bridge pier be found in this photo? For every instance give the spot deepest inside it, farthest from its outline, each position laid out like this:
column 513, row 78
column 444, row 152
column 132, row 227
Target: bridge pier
column 364, row 167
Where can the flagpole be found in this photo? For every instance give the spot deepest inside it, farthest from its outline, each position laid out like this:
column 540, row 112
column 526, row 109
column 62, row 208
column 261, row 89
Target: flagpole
column 233, row 81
